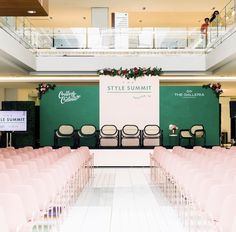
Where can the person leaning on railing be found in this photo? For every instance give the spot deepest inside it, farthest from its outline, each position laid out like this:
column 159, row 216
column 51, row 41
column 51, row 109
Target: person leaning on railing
column 214, row 24
column 214, row 16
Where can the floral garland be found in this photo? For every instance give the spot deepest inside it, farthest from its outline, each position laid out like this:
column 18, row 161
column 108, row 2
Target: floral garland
column 215, row 87
column 43, row 88
column 130, row 73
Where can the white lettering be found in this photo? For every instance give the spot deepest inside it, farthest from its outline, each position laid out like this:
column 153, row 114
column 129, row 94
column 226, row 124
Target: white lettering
column 68, row 96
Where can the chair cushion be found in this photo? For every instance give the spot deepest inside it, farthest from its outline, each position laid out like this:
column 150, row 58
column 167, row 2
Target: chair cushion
column 65, row 130
column 199, row 134
column 151, row 130
column 88, row 129
column 108, row 142
column 130, row 130
column 151, row 142
column 130, row 142
column 109, row 130
column 185, row 134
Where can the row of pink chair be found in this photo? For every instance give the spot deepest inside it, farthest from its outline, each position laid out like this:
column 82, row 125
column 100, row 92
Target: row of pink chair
column 37, row 186
column 200, row 183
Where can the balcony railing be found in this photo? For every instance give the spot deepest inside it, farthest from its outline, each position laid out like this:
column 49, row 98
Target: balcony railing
column 110, row 39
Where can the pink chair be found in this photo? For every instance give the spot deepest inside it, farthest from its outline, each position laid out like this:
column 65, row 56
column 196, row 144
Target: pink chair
column 25, row 156
column 3, row 221
column 215, row 198
column 5, row 181
column 32, row 165
column 233, row 227
column 16, row 159
column 39, row 162
column 227, row 220
column 23, row 170
column 204, row 188
column 2, row 166
column 14, row 211
column 15, row 176
column 29, row 200
column 8, row 162
column 39, row 187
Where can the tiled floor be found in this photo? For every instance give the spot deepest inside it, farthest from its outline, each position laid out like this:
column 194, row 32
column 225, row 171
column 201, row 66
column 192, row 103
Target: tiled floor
column 122, row 200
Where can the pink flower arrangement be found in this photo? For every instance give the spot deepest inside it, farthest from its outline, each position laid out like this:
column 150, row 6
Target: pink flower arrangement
column 43, row 88
column 216, row 87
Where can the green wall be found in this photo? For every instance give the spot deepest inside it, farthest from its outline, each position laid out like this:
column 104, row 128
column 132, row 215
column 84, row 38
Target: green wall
column 180, row 105
column 53, row 113
column 188, row 105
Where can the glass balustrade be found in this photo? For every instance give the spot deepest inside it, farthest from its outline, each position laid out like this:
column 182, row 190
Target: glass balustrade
column 111, row 39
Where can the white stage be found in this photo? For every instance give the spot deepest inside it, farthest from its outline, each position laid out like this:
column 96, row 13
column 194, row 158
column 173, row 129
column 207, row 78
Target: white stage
column 121, row 157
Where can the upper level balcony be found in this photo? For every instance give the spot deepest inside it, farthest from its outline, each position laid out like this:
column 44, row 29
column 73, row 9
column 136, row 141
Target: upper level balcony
column 180, row 48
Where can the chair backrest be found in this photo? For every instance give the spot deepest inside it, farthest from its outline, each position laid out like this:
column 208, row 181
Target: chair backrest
column 130, row 130
column 152, row 130
column 109, row 130
column 14, row 210
column 65, row 130
column 197, row 130
column 3, row 221
column 87, row 129
column 228, row 213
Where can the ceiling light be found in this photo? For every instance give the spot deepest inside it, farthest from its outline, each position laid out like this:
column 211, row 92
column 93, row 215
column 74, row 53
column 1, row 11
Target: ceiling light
column 31, row 11
column 144, row 8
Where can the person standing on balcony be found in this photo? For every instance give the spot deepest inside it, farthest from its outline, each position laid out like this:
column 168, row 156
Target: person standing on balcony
column 204, row 28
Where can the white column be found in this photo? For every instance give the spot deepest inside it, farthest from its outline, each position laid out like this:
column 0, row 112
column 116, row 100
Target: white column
column 225, row 116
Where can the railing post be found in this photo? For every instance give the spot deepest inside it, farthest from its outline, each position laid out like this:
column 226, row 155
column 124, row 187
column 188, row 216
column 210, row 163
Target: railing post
column 234, row 8
column 86, row 38
column 187, row 35
column 225, row 19
column 153, row 38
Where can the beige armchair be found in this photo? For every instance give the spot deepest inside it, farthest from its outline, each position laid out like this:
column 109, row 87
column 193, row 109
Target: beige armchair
column 196, row 132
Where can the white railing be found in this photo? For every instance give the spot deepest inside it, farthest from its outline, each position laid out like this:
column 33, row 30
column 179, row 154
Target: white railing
column 44, row 40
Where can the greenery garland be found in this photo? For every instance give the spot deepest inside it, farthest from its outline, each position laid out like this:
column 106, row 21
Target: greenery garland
column 130, row 73
column 43, row 88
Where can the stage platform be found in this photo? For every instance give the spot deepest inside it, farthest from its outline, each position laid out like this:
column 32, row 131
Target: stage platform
column 121, row 157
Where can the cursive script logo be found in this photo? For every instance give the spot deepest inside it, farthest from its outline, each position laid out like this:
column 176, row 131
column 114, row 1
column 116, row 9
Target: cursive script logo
column 68, row 96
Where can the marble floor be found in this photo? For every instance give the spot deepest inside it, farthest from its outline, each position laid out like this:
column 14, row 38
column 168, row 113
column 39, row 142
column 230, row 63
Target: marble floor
column 122, row 200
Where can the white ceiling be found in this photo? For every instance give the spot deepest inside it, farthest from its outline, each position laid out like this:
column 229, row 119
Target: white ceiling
column 77, row 13
column 136, row 5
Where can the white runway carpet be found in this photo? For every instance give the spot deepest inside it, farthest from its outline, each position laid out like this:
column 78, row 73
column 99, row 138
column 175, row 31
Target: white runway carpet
column 122, row 200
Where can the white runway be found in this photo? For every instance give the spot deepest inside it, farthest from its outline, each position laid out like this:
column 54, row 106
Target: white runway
column 121, row 200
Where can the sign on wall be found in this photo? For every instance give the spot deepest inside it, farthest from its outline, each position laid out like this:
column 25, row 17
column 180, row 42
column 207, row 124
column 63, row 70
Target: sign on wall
column 74, row 105
column 130, row 101
column 13, row 120
column 186, row 106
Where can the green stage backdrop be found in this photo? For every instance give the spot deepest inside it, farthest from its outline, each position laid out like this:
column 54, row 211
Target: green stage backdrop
column 188, row 105
column 75, row 105
column 180, row 105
